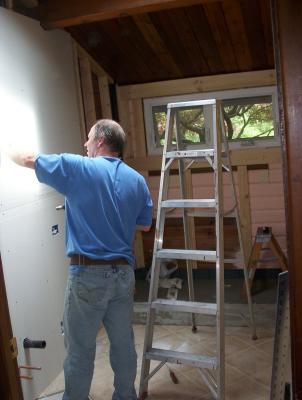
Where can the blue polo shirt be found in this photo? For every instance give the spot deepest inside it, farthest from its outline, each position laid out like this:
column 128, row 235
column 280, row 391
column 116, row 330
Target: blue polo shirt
column 104, row 201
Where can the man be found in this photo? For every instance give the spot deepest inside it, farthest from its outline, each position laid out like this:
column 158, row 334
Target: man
column 105, row 201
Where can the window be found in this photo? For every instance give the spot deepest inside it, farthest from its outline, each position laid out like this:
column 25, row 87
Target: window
column 191, row 124
column 249, row 119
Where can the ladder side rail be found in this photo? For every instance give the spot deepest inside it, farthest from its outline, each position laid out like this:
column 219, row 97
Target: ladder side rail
column 182, row 182
column 238, row 222
column 155, row 268
column 161, row 212
column 220, row 326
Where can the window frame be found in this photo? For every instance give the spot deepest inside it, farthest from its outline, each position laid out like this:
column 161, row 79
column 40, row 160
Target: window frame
column 149, row 103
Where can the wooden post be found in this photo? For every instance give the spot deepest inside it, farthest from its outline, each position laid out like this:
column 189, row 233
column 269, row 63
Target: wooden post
column 105, row 97
column 245, row 209
column 287, row 25
column 79, row 93
column 87, row 92
column 139, row 146
column 10, row 387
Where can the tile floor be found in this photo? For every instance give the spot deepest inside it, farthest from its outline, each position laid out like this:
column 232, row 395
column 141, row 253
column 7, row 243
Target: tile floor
column 248, row 364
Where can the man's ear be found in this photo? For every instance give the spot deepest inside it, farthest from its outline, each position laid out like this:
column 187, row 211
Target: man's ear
column 100, row 142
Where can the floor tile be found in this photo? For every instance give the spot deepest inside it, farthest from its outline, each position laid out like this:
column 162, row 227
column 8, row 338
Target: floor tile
column 248, row 364
column 254, row 363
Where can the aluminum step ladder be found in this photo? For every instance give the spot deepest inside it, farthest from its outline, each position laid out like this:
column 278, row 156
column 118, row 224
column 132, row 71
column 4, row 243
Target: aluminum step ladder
column 211, row 368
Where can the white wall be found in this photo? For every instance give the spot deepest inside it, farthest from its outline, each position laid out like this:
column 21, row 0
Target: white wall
column 38, row 110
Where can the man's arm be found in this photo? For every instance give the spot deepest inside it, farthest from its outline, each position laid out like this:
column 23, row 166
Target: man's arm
column 144, row 228
column 26, row 159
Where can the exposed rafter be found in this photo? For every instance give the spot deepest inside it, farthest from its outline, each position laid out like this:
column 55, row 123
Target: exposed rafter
column 29, row 3
column 61, row 14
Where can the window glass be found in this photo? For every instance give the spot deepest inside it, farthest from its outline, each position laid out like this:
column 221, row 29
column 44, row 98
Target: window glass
column 191, row 125
column 249, row 118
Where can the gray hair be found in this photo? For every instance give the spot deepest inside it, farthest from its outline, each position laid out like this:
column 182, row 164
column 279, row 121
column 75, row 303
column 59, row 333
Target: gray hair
column 112, row 133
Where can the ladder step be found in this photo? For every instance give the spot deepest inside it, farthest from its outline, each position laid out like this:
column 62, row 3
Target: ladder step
column 195, row 255
column 177, row 254
column 192, row 103
column 189, row 203
column 190, row 153
column 178, row 357
column 185, row 306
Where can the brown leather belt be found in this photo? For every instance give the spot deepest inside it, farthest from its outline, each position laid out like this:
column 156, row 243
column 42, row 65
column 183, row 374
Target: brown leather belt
column 79, row 259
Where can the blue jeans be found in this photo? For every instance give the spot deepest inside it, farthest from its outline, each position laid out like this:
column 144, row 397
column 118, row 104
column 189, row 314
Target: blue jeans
column 94, row 295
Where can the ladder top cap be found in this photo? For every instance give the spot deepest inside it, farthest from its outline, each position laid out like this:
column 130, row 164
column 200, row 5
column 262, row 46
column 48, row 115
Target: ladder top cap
column 192, row 103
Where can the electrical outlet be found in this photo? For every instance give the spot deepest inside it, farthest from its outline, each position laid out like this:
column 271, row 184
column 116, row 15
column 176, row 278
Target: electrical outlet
column 55, row 230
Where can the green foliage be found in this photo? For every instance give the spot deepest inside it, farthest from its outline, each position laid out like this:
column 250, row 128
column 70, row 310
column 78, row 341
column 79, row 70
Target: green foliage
column 249, row 121
column 191, row 125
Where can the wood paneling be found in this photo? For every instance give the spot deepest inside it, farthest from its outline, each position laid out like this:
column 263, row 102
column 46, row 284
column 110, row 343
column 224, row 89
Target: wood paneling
column 141, row 41
column 186, row 44
column 202, row 30
column 254, row 29
column 239, row 157
column 205, row 238
column 154, row 40
column 221, row 35
column 120, row 38
column 102, row 48
column 207, row 38
column 138, row 44
column 164, row 24
column 199, row 84
column 235, row 25
column 287, row 35
column 58, row 14
column 267, row 29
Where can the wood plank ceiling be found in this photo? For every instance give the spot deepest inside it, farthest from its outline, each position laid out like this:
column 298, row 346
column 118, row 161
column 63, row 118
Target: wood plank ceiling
column 208, row 38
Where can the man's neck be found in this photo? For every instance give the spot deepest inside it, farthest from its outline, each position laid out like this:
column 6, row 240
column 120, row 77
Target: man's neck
column 106, row 153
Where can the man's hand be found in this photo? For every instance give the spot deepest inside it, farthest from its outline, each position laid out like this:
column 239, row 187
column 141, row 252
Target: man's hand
column 144, row 228
column 26, row 159
column 23, row 158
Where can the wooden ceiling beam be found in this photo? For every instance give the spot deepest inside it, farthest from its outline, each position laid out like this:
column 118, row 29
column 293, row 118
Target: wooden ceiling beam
column 29, row 3
column 61, row 14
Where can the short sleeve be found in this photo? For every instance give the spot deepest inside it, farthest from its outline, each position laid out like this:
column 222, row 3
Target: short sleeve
column 145, row 215
column 53, row 170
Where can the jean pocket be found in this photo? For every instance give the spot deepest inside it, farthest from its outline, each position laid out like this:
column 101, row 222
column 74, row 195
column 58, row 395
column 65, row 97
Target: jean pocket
column 91, row 293
column 127, row 280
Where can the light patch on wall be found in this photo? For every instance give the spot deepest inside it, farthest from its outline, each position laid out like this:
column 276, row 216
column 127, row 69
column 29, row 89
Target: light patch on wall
column 18, row 132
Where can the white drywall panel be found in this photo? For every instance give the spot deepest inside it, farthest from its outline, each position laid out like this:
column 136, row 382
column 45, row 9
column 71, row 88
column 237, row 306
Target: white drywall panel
column 35, row 271
column 38, row 111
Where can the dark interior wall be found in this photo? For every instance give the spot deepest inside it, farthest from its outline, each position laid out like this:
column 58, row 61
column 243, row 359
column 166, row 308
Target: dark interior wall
column 287, row 16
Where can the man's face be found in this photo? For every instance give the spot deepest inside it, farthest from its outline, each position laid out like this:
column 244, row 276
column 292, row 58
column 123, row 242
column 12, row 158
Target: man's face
column 91, row 145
